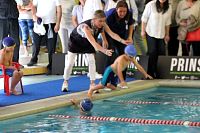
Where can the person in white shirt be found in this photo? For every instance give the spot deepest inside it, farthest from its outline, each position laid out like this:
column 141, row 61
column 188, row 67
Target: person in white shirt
column 77, row 13
column 65, row 24
column 156, row 20
column 90, row 7
column 50, row 12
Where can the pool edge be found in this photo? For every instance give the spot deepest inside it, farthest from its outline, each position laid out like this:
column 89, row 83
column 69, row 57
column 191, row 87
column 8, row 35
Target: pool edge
column 37, row 106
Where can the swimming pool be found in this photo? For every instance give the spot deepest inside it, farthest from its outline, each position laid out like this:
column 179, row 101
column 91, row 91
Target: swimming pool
column 156, row 103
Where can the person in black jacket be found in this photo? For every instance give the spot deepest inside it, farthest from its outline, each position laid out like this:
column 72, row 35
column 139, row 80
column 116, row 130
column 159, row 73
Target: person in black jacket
column 9, row 24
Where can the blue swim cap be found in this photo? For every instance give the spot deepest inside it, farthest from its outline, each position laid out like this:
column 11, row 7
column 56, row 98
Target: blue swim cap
column 86, row 104
column 8, row 42
column 130, row 50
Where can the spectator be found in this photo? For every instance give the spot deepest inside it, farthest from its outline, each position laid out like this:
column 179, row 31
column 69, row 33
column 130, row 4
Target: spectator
column 147, row 1
column 83, row 40
column 88, row 11
column 50, row 11
column 9, row 25
column 156, row 20
column 120, row 21
column 77, row 13
column 25, row 22
column 90, row 7
column 139, row 42
column 173, row 43
column 131, row 6
column 6, row 56
column 186, row 9
column 65, row 24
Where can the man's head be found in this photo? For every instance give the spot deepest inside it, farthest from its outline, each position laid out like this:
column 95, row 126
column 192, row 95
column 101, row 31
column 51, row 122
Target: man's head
column 130, row 50
column 86, row 105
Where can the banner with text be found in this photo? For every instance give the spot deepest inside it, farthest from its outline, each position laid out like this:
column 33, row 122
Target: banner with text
column 81, row 66
column 174, row 67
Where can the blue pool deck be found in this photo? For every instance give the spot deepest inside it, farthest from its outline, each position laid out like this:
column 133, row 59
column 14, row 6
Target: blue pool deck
column 36, row 106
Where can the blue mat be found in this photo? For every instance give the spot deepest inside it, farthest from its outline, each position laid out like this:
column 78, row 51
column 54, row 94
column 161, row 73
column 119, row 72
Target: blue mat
column 47, row 89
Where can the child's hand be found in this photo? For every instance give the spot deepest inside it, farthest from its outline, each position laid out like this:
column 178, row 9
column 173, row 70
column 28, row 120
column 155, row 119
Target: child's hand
column 74, row 101
column 123, row 85
column 148, row 77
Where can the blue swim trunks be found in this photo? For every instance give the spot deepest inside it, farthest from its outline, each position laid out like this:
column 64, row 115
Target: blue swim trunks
column 9, row 72
column 109, row 77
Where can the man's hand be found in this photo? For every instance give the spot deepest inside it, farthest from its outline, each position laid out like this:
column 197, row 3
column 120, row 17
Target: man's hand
column 143, row 34
column 56, row 28
column 108, row 52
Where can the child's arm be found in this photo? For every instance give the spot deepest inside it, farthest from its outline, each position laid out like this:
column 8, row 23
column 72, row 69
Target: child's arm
column 120, row 75
column 75, row 103
column 141, row 69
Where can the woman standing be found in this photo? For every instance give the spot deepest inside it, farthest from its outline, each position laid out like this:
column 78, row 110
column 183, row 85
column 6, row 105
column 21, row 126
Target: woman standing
column 156, row 20
column 83, row 40
column 120, row 21
column 65, row 23
column 186, row 9
column 25, row 22
column 173, row 43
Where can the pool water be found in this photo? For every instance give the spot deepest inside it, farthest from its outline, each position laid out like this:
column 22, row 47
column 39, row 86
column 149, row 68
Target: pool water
column 171, row 107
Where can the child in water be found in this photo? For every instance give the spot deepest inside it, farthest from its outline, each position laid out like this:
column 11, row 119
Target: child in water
column 114, row 71
column 85, row 106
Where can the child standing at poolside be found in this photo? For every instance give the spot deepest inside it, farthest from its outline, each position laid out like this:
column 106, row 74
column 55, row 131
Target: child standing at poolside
column 114, row 71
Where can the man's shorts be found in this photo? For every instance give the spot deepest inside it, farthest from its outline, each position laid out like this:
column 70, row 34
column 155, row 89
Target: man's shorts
column 109, row 77
column 9, row 72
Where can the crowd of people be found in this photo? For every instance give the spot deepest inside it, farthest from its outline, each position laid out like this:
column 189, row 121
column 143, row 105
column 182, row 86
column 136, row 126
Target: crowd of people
column 149, row 25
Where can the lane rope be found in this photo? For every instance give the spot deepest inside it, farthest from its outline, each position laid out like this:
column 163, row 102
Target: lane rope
column 133, row 120
column 154, row 102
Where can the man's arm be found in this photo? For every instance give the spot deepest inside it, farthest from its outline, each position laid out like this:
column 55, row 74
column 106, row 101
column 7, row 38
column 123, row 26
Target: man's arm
column 74, row 21
column 34, row 10
column 58, row 18
column 143, row 32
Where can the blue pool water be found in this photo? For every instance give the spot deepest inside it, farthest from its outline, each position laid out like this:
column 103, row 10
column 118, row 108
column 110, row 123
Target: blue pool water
column 113, row 108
